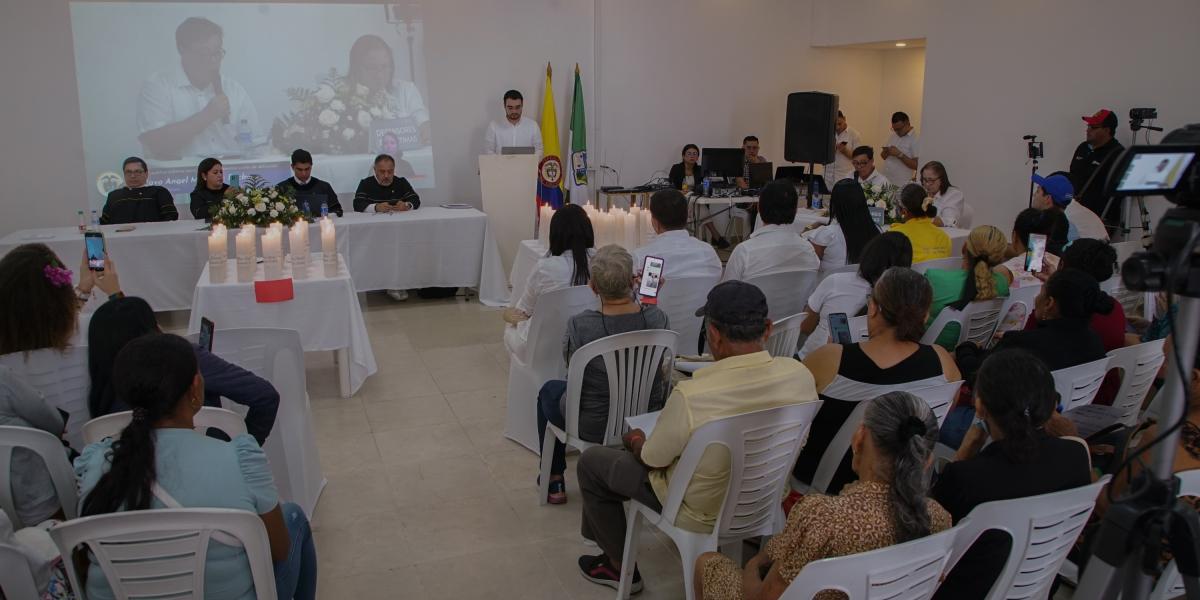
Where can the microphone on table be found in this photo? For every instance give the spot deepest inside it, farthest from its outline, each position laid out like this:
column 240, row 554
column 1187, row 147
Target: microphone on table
column 220, row 92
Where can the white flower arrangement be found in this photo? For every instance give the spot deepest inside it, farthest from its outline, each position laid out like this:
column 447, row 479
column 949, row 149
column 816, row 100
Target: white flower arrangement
column 328, row 118
column 258, row 204
column 885, row 196
column 337, row 105
column 348, row 133
column 334, row 117
column 325, row 94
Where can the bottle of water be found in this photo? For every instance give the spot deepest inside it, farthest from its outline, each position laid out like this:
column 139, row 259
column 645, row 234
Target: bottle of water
column 95, row 220
column 245, row 138
column 816, row 194
column 83, row 224
column 324, row 209
column 707, row 188
column 304, row 209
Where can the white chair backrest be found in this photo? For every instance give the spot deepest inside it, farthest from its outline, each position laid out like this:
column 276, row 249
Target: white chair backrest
column 62, row 378
column 908, row 571
column 1170, row 583
column 1043, row 530
column 548, row 325
column 632, row 361
column 111, row 425
column 1077, row 386
column 679, row 299
column 966, row 217
column 787, row 292
column 16, row 577
column 1017, row 308
column 53, row 455
column 953, row 263
column 162, row 552
column 858, row 329
column 1138, row 366
column 785, row 335
column 976, row 322
column 763, row 446
column 842, row 269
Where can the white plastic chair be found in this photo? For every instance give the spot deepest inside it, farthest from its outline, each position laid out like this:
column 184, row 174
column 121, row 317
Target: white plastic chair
column 53, row 455
column 63, row 380
column 976, row 322
column 111, row 425
column 1077, row 386
column 679, row 299
column 632, row 361
column 1043, row 530
column 763, row 446
column 277, row 356
column 16, row 578
column 842, row 269
column 858, row 329
column 935, row 391
column 1170, row 583
column 542, row 359
column 953, row 263
column 1138, row 366
column 1017, row 308
column 162, row 552
column 785, row 336
column 908, row 571
column 787, row 292
column 966, row 217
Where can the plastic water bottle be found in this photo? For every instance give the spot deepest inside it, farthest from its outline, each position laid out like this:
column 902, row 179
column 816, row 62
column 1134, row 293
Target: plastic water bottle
column 245, row 138
column 83, row 224
column 304, row 208
column 234, row 180
column 95, row 220
column 324, row 209
column 707, row 188
column 816, row 195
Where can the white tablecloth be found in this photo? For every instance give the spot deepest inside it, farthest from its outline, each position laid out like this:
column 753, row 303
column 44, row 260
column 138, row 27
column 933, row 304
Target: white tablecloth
column 325, row 311
column 430, row 247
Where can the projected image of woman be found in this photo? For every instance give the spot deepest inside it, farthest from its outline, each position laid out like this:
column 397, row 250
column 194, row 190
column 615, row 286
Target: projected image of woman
column 372, row 64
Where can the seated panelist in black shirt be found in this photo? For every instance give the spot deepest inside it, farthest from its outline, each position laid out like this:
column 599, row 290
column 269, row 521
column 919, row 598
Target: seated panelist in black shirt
column 307, row 189
column 384, row 192
column 210, row 189
column 138, row 202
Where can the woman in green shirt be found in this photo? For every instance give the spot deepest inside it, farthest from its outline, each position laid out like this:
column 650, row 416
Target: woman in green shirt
column 982, row 252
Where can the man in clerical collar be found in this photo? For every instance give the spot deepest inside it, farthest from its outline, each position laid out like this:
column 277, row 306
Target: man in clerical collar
column 193, row 110
column 383, row 192
column 308, row 190
column 137, row 202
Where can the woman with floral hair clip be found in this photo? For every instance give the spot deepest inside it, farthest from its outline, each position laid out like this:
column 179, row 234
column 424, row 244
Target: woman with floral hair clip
column 917, row 209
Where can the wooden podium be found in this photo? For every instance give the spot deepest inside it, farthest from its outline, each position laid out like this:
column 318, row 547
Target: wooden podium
column 508, row 183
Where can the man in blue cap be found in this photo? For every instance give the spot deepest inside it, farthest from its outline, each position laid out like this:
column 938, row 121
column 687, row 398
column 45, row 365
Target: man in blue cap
column 1056, row 191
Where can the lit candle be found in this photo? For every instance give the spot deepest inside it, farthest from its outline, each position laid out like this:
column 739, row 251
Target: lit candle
column 245, row 253
column 218, row 254
column 272, row 243
column 298, row 244
column 329, row 247
column 629, row 231
column 545, row 213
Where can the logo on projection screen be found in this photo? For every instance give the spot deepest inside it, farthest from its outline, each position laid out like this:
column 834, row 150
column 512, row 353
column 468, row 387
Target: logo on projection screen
column 550, row 171
column 107, row 182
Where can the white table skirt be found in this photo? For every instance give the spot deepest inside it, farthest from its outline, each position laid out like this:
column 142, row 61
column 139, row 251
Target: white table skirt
column 430, row 247
column 325, row 311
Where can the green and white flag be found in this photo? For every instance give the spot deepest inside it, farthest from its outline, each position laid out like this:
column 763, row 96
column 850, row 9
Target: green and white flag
column 578, row 189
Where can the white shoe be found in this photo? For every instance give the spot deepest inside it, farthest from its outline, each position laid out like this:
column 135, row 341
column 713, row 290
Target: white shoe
column 398, row 295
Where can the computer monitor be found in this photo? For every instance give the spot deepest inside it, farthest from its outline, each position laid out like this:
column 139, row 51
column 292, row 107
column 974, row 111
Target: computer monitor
column 722, row 162
column 795, row 172
column 760, row 174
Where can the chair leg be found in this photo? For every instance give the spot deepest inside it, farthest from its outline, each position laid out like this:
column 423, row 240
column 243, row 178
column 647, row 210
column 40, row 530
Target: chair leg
column 547, row 456
column 629, row 557
column 689, row 551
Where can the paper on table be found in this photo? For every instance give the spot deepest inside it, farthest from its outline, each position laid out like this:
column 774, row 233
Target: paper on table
column 691, row 366
column 645, row 422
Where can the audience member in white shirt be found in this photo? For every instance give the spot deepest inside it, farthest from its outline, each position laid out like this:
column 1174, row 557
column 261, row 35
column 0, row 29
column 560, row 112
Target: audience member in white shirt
column 901, row 152
column 847, row 292
column 566, row 265
column 192, row 110
column 843, row 145
column 865, row 172
column 775, row 247
column 682, row 254
column 947, row 198
column 1085, row 223
column 850, row 228
column 1050, row 223
column 514, row 130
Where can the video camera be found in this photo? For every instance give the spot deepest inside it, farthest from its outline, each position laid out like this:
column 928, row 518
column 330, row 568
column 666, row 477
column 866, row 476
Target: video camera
column 1138, row 115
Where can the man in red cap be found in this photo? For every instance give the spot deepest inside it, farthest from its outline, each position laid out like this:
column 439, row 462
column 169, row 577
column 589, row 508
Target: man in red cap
column 1092, row 162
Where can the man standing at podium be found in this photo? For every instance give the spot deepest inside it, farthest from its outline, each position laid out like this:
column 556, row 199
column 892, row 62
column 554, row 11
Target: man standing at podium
column 515, row 131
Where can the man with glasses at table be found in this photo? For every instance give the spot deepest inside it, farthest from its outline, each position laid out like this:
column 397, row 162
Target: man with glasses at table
column 193, row 110
column 137, row 202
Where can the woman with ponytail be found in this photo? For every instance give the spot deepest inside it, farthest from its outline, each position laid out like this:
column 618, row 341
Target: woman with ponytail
column 1014, row 400
column 983, row 251
column 159, row 461
column 917, row 210
column 889, row 504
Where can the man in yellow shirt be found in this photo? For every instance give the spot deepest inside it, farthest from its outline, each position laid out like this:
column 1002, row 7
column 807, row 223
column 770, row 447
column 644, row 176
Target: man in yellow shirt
column 743, row 379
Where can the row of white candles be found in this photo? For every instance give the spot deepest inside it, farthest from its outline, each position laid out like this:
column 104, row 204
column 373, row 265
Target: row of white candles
column 629, row 228
column 272, row 251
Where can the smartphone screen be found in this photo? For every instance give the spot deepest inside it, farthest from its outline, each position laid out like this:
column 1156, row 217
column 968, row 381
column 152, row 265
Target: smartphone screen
column 839, row 328
column 94, row 242
column 651, row 277
column 206, row 333
column 1036, row 252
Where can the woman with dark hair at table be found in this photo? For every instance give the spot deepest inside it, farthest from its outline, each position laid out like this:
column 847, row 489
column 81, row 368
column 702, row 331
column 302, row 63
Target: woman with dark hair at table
column 210, row 189
column 841, row 241
column 687, row 176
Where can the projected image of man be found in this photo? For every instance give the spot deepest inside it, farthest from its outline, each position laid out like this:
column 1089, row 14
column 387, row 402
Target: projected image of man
column 372, row 65
column 193, row 110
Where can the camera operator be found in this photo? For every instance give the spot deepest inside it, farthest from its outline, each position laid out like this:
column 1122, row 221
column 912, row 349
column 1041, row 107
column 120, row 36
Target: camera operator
column 1093, row 160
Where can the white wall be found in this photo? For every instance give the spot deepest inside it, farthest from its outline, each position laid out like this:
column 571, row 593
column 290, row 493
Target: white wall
column 902, row 87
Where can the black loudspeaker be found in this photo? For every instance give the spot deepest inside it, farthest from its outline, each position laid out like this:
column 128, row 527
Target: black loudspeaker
column 810, row 129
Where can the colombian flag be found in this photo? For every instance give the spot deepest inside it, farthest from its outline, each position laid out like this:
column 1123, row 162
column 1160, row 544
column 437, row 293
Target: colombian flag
column 550, row 169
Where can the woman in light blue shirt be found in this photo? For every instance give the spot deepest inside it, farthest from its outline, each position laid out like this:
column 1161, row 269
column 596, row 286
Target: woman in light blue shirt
column 157, row 375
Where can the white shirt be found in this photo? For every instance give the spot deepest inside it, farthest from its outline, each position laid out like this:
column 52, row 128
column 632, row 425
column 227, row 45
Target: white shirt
column 876, row 179
column 682, row 254
column 771, row 249
column 949, row 206
column 1086, row 222
column 841, row 168
column 502, row 134
column 169, row 97
column 551, row 273
column 838, row 293
column 406, row 102
column 833, row 239
column 893, row 168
